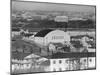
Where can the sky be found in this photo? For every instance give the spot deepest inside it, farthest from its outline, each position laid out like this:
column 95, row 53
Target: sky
column 25, row 5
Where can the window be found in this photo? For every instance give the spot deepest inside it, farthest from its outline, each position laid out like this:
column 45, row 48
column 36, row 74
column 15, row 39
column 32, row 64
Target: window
column 67, row 68
column 84, row 60
column 90, row 60
column 60, row 69
column 57, row 37
column 54, row 69
column 52, row 37
column 27, row 64
column 54, row 62
column 60, row 61
column 66, row 61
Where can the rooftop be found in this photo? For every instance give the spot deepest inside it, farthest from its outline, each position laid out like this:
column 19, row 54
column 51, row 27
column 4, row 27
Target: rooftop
column 71, row 55
column 42, row 33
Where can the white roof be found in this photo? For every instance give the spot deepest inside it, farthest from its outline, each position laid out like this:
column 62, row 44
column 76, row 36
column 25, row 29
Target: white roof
column 20, row 61
column 42, row 59
column 32, row 56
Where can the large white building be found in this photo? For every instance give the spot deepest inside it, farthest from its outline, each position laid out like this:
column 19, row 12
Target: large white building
column 44, row 37
column 71, row 61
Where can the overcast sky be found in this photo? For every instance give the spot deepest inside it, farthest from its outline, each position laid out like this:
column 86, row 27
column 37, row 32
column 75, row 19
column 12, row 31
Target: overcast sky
column 18, row 5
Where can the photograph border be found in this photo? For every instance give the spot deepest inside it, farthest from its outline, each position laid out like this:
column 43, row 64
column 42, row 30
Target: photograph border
column 57, row 4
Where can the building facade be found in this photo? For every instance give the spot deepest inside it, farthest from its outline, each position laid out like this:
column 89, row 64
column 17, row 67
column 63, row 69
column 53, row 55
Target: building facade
column 44, row 37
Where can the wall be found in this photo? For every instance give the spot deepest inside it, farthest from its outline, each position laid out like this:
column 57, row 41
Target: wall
column 57, row 36
column 57, row 66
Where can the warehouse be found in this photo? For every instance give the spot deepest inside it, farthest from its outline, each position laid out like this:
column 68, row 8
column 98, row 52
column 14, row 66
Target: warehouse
column 46, row 36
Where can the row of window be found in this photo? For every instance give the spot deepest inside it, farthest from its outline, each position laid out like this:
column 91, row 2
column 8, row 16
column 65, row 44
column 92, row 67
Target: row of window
column 60, row 61
column 85, row 60
column 57, row 37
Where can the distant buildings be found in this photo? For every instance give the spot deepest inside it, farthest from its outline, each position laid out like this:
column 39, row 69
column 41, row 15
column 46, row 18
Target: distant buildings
column 61, row 19
column 76, row 19
column 63, row 16
column 15, row 32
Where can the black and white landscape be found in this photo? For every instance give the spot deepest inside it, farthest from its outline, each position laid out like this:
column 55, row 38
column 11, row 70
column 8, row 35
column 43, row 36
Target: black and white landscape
column 51, row 37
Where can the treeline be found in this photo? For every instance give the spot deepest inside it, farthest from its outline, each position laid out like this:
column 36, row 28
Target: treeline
column 53, row 24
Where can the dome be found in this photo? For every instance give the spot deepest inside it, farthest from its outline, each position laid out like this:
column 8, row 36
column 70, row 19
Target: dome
column 44, row 37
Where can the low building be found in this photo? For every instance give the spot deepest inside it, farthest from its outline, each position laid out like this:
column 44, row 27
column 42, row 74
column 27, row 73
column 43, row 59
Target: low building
column 71, row 61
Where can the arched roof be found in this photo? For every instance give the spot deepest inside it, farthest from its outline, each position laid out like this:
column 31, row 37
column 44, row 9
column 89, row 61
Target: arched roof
column 42, row 33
